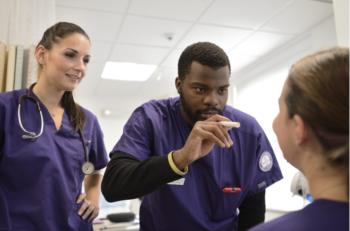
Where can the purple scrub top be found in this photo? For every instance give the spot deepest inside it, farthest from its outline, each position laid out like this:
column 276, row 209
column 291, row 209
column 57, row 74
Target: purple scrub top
column 41, row 179
column 320, row 215
column 199, row 203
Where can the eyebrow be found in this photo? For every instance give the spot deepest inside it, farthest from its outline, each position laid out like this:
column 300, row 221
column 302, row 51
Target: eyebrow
column 71, row 49
column 76, row 52
column 205, row 85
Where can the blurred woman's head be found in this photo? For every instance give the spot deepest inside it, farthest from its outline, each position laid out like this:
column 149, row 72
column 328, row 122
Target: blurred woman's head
column 315, row 104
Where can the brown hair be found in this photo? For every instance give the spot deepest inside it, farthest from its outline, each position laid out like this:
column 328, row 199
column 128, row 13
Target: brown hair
column 319, row 93
column 51, row 36
column 205, row 53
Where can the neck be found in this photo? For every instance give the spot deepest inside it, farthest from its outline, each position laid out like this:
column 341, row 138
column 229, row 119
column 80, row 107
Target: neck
column 48, row 95
column 327, row 182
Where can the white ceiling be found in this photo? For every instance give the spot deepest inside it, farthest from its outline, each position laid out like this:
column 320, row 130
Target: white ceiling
column 139, row 30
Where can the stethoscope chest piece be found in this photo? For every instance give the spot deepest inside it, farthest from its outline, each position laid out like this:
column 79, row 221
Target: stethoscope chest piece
column 87, row 168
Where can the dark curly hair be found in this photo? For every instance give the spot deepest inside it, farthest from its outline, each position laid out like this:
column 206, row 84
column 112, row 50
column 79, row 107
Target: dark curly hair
column 205, row 53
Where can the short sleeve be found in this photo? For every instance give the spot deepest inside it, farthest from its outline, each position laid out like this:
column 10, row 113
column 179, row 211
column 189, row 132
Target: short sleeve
column 266, row 166
column 137, row 135
column 98, row 154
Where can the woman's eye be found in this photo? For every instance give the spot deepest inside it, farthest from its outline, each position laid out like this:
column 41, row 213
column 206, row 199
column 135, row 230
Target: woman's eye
column 86, row 61
column 70, row 55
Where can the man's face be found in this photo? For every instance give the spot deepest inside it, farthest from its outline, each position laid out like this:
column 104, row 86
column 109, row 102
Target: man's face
column 203, row 92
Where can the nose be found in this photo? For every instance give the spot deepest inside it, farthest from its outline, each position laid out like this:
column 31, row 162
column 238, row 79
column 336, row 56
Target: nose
column 80, row 65
column 211, row 98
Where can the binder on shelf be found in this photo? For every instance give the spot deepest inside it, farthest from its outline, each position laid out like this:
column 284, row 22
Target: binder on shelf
column 19, row 67
column 10, row 71
column 3, row 54
column 32, row 68
column 25, row 67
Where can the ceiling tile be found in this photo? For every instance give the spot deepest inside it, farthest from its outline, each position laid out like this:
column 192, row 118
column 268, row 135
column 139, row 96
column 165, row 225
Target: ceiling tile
column 100, row 51
column 106, row 5
column 224, row 37
column 93, row 22
column 173, row 58
column 299, row 16
column 260, row 43
column 138, row 54
column 114, row 88
column 134, row 31
column 169, row 8
column 239, row 60
column 159, row 89
column 149, row 31
column 247, row 14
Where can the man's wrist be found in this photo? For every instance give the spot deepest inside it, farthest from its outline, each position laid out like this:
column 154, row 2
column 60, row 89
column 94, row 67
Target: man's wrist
column 177, row 169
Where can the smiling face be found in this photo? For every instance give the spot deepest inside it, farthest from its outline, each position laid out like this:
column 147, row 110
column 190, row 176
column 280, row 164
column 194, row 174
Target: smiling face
column 203, row 92
column 64, row 64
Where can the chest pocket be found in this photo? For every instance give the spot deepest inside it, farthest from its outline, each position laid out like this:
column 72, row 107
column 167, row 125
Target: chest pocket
column 215, row 174
column 222, row 205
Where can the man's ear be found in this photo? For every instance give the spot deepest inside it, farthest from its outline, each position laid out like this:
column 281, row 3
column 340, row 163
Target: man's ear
column 300, row 130
column 178, row 84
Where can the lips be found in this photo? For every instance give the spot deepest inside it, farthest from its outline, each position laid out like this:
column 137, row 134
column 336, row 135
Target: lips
column 74, row 77
column 208, row 113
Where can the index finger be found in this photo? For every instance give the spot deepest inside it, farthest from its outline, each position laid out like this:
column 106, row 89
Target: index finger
column 217, row 118
column 81, row 198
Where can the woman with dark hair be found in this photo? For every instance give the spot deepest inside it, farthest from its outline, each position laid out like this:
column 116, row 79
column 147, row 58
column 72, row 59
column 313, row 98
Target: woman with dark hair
column 49, row 144
column 312, row 128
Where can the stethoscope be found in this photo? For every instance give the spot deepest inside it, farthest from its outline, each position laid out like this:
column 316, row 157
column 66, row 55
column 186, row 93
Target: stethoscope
column 87, row 168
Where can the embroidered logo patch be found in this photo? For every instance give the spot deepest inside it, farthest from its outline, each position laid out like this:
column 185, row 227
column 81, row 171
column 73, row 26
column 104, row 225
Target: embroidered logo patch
column 265, row 161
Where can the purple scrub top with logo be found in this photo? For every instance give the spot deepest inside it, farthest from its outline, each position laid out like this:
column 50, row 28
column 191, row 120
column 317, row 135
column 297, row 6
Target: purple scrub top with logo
column 197, row 202
column 41, row 179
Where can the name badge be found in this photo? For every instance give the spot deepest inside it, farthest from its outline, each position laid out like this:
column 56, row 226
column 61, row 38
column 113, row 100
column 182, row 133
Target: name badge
column 180, row 181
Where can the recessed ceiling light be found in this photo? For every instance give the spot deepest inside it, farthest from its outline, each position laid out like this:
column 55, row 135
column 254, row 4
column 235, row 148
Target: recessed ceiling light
column 127, row 71
column 106, row 112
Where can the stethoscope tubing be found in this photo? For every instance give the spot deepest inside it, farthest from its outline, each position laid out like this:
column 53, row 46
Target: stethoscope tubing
column 87, row 167
column 27, row 134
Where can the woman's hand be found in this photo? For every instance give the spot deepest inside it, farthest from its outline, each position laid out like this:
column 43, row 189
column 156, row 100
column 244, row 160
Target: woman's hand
column 87, row 209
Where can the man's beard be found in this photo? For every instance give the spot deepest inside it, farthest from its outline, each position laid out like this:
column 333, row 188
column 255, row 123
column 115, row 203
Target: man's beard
column 195, row 116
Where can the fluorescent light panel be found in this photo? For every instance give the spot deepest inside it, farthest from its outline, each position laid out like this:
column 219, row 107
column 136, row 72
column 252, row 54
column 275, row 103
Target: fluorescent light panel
column 127, row 71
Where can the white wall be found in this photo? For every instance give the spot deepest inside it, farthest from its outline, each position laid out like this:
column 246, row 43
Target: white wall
column 23, row 21
column 341, row 11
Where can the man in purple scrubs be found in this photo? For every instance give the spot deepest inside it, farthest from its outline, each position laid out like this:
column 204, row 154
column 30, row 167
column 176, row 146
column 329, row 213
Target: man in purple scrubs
column 193, row 172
